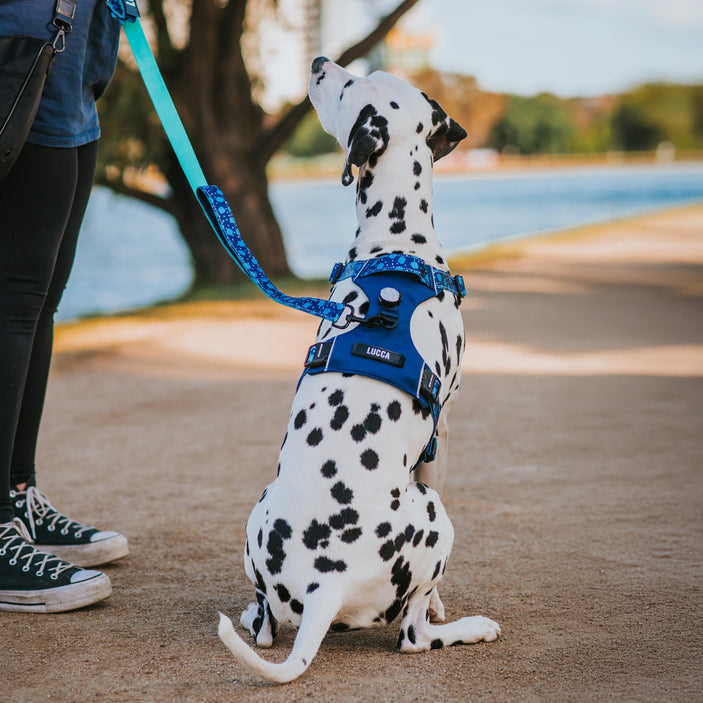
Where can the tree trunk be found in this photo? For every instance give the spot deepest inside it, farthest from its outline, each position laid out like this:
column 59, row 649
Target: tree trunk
column 246, row 190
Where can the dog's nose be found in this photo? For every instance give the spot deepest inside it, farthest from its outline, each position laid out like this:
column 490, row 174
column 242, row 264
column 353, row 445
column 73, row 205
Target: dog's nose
column 318, row 63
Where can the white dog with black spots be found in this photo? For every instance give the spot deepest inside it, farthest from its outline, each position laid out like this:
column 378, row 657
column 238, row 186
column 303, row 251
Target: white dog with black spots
column 352, row 532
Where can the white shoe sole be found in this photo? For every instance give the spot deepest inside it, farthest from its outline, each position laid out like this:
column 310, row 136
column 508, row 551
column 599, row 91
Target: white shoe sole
column 92, row 554
column 59, row 599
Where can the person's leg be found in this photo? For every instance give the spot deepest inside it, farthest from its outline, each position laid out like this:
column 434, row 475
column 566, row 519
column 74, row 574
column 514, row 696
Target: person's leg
column 50, row 530
column 35, row 204
column 22, row 464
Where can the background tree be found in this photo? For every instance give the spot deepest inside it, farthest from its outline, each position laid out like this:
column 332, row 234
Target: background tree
column 234, row 138
column 535, row 125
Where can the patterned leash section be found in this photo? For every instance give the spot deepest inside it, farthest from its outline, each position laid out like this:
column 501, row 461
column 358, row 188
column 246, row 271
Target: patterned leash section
column 220, row 216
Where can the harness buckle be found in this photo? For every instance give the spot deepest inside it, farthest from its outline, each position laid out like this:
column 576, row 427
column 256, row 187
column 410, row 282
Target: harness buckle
column 318, row 354
column 430, row 386
column 336, row 272
column 461, row 288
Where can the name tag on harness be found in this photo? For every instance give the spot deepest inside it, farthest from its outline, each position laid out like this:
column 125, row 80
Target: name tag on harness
column 378, row 353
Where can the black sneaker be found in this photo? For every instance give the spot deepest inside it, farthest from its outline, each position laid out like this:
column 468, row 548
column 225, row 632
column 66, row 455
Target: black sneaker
column 32, row 581
column 67, row 539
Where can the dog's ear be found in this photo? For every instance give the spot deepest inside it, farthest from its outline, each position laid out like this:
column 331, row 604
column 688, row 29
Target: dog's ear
column 368, row 139
column 445, row 133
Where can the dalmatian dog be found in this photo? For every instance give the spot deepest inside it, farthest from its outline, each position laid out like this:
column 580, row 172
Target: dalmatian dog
column 352, row 532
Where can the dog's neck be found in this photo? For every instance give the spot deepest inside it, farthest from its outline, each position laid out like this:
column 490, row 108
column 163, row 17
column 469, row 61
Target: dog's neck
column 394, row 206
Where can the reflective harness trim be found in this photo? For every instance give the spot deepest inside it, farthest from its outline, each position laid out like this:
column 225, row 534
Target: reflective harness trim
column 381, row 346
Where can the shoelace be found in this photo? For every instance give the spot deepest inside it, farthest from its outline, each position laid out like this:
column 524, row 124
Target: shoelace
column 15, row 539
column 38, row 505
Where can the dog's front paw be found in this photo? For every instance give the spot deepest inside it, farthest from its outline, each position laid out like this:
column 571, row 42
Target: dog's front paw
column 483, row 629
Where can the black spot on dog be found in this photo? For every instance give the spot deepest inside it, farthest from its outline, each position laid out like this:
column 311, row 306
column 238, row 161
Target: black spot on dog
column 437, row 567
column 326, row 565
column 421, row 487
column 351, row 535
column 418, row 537
column 419, row 128
column 339, row 627
column 401, row 637
column 282, row 528
column 296, row 606
column 394, row 105
column 336, row 398
column 392, row 613
column 383, row 529
column 373, row 422
column 432, row 539
column 376, row 250
column 401, row 577
column 300, row 419
column 352, row 254
column 431, row 511
column 395, row 505
column 369, row 459
column 398, row 227
column 341, row 414
column 312, row 587
column 341, row 493
column 349, row 297
column 399, row 541
column 439, row 259
column 329, row 469
column 282, row 593
column 417, row 168
column 315, row 534
column 374, row 209
column 394, row 411
column 420, row 409
column 358, row 433
column 419, row 238
column 438, row 644
column 405, row 459
column 459, row 347
column 396, row 492
column 315, row 437
column 259, row 538
column 363, row 309
column 409, row 532
column 387, row 550
column 416, row 186
column 411, row 635
column 348, row 516
column 423, row 205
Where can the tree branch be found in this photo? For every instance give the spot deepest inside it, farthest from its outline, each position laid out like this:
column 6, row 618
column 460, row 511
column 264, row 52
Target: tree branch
column 365, row 45
column 275, row 136
column 120, row 188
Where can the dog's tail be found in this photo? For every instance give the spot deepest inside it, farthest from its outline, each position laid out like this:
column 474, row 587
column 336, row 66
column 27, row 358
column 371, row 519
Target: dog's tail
column 318, row 614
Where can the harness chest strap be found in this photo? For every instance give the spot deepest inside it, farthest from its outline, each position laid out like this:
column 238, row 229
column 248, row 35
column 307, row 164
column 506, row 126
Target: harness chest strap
column 384, row 350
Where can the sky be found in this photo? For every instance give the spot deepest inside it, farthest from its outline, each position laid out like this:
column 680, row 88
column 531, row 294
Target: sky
column 568, row 47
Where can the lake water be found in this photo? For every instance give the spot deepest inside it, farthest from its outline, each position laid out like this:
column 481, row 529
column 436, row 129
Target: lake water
column 131, row 254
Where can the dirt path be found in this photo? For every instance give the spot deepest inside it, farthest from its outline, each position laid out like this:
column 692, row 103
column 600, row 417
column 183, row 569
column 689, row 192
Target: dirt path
column 574, row 486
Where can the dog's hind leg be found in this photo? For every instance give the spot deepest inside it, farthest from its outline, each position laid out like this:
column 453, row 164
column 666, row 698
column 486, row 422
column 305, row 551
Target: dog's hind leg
column 259, row 620
column 418, row 635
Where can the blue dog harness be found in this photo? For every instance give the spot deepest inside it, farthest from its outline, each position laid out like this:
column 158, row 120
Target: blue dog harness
column 380, row 346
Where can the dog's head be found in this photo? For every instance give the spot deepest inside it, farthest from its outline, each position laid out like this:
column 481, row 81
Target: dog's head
column 365, row 114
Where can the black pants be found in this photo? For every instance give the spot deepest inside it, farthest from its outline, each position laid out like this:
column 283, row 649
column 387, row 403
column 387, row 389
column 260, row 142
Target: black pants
column 42, row 203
